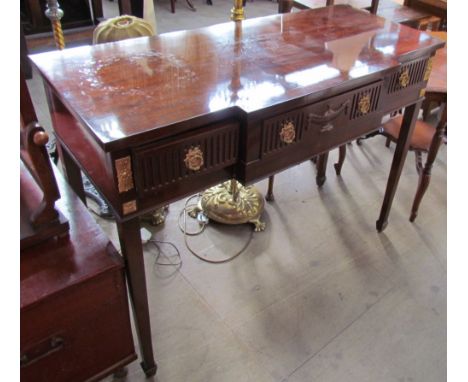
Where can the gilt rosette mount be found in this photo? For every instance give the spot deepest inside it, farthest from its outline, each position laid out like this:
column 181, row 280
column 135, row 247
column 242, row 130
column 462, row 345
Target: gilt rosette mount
column 232, row 203
column 194, row 159
column 364, row 104
column 404, row 78
column 288, row 132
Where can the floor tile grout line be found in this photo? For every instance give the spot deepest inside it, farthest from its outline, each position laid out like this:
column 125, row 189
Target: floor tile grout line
column 340, row 333
column 224, row 323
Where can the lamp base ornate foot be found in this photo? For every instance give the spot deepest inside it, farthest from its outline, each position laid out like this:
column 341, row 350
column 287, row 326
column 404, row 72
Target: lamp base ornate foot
column 155, row 217
column 259, row 225
column 232, row 203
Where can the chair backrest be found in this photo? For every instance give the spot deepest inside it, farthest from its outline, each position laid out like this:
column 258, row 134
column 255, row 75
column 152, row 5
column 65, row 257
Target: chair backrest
column 430, row 23
column 285, row 6
column 358, row 4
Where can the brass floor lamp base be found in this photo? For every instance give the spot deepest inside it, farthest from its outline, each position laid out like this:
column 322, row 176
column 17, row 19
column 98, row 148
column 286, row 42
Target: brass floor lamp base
column 155, row 217
column 232, row 203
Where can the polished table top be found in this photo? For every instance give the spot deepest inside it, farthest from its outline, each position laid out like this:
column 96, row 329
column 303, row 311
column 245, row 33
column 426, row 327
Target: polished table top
column 147, row 86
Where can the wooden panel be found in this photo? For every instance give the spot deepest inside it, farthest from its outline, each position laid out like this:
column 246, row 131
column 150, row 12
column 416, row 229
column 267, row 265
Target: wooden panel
column 320, row 124
column 373, row 93
column 159, row 165
column 415, row 71
column 271, row 140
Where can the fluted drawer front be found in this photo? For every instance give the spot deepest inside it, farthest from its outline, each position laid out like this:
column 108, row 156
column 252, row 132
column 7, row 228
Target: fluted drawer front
column 410, row 74
column 206, row 150
column 320, row 121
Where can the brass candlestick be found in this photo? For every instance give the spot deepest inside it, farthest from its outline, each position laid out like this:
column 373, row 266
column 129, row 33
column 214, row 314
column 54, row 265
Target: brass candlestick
column 231, row 202
column 237, row 12
column 54, row 14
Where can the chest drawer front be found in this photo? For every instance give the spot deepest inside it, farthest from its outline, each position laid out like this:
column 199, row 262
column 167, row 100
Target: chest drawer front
column 160, row 165
column 320, row 125
column 78, row 333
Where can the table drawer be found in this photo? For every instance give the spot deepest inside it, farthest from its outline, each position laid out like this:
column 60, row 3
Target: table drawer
column 195, row 154
column 404, row 85
column 323, row 125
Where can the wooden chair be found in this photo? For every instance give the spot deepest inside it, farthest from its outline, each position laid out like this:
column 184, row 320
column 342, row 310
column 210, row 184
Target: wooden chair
column 285, row 6
column 425, row 139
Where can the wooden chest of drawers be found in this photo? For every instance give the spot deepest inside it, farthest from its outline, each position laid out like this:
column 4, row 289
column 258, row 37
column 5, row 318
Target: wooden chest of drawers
column 75, row 323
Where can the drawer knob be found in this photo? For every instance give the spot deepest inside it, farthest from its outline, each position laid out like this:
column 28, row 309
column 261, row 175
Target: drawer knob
column 288, row 132
column 194, row 159
column 364, row 104
column 404, row 78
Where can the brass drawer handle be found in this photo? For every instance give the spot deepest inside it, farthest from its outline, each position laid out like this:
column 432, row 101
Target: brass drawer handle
column 194, row 159
column 329, row 115
column 404, row 78
column 41, row 350
column 288, row 132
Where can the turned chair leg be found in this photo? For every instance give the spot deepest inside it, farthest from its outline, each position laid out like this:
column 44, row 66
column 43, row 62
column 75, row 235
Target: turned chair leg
column 418, row 157
column 426, row 108
column 341, row 159
column 387, row 142
column 425, row 174
column 321, row 169
column 269, row 196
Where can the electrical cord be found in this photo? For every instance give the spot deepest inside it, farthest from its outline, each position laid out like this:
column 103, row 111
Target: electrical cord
column 156, row 244
column 186, row 210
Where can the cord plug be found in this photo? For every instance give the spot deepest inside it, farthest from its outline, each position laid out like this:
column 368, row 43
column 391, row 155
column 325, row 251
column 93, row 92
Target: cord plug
column 145, row 235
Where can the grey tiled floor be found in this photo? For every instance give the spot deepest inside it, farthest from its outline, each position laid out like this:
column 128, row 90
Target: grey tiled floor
column 319, row 295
